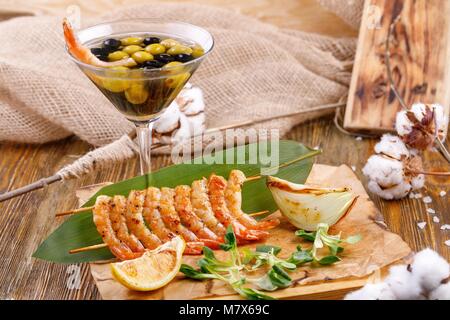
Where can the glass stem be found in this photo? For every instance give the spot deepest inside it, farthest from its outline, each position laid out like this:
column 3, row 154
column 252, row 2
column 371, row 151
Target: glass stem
column 144, row 136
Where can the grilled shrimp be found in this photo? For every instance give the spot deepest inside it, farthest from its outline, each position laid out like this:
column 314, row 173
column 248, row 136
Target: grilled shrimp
column 119, row 224
column 184, row 208
column 233, row 196
column 202, row 207
column 135, row 220
column 85, row 55
column 152, row 215
column 217, row 186
column 103, row 206
column 171, row 218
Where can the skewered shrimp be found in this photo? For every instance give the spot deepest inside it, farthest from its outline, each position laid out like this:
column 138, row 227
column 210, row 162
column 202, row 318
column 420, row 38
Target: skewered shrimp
column 103, row 223
column 233, row 196
column 119, row 224
column 135, row 220
column 85, row 55
column 184, row 208
column 153, row 217
column 171, row 218
column 202, row 207
column 217, row 186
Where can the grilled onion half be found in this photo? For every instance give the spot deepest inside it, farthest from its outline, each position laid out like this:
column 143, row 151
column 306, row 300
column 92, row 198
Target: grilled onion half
column 306, row 206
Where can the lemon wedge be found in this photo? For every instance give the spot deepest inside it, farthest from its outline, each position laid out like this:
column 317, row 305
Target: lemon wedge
column 154, row 269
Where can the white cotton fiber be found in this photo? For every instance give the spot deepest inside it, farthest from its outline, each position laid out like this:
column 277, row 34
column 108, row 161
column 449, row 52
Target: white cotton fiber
column 384, row 171
column 429, row 268
column 396, row 192
column 402, row 124
column 392, row 146
column 441, row 293
column 418, row 182
column 403, row 284
column 372, row 291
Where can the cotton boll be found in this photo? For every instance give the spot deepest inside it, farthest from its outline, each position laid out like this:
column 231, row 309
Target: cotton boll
column 191, row 101
column 386, row 172
column 183, row 132
column 169, row 120
column 429, row 268
column 392, row 146
column 396, row 192
column 372, row 291
column 441, row 293
column 403, row 284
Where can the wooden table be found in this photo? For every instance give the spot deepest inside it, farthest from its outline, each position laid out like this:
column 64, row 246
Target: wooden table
column 26, row 221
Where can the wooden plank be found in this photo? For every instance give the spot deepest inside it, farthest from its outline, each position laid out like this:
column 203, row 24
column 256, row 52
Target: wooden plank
column 420, row 53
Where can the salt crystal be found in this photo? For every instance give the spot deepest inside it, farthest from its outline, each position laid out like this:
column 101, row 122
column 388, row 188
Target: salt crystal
column 445, row 227
column 358, row 138
column 353, row 168
column 422, row 225
column 447, row 243
column 427, row 199
column 442, row 193
column 316, row 148
column 436, row 219
column 418, row 195
column 432, row 211
column 411, row 195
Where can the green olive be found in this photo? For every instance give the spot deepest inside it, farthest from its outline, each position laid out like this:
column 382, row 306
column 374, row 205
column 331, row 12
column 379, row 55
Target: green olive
column 142, row 56
column 132, row 49
column 136, row 94
column 173, row 67
column 169, row 43
column 111, row 81
column 178, row 80
column 117, row 55
column 179, row 49
column 131, row 40
column 155, row 48
column 197, row 51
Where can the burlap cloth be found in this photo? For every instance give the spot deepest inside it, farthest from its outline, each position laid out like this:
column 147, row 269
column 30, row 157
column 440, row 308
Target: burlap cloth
column 256, row 71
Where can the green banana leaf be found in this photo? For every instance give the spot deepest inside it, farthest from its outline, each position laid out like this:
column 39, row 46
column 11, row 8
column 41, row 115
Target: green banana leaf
column 78, row 231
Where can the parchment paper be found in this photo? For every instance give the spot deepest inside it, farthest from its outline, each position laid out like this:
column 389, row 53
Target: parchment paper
column 377, row 249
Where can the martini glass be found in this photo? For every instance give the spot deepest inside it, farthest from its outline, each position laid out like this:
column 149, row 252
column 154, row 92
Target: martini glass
column 142, row 95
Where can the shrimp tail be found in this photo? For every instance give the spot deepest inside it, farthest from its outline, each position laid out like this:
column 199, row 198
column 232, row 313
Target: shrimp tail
column 194, row 248
column 248, row 234
column 268, row 224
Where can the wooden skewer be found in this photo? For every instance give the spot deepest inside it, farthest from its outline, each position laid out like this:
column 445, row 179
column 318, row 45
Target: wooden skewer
column 73, row 211
column 84, row 209
column 305, row 156
column 89, row 248
column 103, row 245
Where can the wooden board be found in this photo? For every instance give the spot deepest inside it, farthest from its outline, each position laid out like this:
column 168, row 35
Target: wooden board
column 420, row 59
column 366, row 261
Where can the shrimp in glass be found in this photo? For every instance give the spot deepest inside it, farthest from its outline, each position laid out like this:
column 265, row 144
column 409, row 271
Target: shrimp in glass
column 202, row 207
column 85, row 55
column 102, row 208
column 233, row 197
column 119, row 224
column 217, row 186
column 135, row 220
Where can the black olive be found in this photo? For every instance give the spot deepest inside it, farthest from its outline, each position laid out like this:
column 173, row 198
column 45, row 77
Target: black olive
column 182, row 57
column 164, row 58
column 152, row 64
column 151, row 40
column 100, row 53
column 111, row 44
